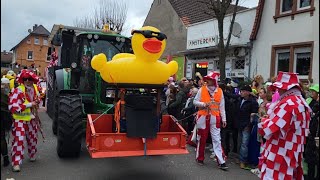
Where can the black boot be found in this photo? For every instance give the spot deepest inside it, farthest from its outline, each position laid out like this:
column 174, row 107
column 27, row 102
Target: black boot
column 6, row 160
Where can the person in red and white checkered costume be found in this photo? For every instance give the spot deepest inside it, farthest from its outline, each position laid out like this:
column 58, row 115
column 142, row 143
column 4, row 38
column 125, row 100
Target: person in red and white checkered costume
column 22, row 100
column 53, row 62
column 285, row 129
column 54, row 59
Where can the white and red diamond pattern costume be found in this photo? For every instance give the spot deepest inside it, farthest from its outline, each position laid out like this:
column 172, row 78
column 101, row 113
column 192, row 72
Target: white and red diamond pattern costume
column 24, row 125
column 285, row 131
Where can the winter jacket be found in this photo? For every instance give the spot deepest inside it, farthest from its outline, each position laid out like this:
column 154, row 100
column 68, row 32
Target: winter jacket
column 179, row 103
column 190, row 108
column 230, row 108
column 244, row 112
column 312, row 151
column 6, row 118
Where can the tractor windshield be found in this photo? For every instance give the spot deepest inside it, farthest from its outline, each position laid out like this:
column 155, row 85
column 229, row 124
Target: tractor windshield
column 109, row 45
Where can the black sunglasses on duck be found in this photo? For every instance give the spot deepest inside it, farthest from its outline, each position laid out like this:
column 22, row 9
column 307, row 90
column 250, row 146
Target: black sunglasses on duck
column 149, row 34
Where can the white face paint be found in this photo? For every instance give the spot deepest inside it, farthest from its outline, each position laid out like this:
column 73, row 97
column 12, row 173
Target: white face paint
column 28, row 83
column 211, row 88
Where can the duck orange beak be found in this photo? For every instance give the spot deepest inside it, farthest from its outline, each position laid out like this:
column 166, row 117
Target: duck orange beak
column 152, row 45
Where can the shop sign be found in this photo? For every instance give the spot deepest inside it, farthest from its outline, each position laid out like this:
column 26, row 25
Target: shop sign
column 201, row 42
column 235, row 74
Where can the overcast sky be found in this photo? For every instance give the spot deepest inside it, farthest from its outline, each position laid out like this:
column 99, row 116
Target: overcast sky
column 17, row 16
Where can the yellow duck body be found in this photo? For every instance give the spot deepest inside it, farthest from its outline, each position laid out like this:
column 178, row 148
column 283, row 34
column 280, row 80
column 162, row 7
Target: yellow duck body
column 143, row 67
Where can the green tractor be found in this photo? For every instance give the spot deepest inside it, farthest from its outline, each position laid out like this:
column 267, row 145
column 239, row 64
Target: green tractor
column 74, row 89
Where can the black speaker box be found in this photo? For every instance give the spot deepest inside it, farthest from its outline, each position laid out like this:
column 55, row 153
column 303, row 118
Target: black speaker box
column 140, row 118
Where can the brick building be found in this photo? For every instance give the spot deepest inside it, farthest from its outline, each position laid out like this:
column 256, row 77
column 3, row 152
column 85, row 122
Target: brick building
column 33, row 49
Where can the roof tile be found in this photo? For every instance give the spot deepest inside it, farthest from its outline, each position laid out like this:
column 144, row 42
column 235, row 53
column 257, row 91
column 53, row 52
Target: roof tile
column 193, row 11
column 40, row 30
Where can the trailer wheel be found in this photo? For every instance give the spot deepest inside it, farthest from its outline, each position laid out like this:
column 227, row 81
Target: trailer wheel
column 70, row 128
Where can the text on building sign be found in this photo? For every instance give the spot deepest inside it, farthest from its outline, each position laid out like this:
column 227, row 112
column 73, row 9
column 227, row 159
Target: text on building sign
column 201, row 41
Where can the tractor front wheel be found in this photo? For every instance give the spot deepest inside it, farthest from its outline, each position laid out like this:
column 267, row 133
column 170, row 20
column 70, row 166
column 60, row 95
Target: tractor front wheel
column 70, row 127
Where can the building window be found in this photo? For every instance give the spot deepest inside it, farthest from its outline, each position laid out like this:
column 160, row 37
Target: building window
column 30, row 55
column 291, row 8
column 304, row 3
column 45, row 41
column 36, row 40
column 238, row 63
column 282, row 63
column 295, row 58
column 28, row 41
column 216, row 65
column 302, row 61
column 286, row 5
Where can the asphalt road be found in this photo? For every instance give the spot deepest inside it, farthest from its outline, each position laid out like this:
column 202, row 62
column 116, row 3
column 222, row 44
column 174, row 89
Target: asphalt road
column 50, row 167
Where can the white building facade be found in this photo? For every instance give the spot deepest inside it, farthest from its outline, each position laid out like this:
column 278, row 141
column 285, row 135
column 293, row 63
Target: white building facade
column 285, row 37
column 202, row 53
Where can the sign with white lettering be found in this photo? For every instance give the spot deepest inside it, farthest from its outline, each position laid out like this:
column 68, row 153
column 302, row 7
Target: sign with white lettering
column 234, row 74
column 202, row 42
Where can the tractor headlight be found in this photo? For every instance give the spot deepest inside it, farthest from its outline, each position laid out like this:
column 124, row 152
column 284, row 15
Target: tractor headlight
column 96, row 36
column 74, row 65
column 89, row 36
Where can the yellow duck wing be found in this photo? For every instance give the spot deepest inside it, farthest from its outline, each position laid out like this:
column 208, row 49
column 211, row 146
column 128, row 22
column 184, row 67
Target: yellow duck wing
column 98, row 62
column 173, row 67
column 123, row 55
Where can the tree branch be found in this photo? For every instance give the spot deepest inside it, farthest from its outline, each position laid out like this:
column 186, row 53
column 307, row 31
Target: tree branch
column 231, row 24
column 113, row 12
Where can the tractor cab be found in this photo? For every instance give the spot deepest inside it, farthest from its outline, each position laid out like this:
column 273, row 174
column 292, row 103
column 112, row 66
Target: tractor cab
column 74, row 75
column 88, row 45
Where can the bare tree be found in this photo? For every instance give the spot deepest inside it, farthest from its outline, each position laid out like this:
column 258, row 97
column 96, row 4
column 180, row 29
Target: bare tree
column 112, row 12
column 219, row 9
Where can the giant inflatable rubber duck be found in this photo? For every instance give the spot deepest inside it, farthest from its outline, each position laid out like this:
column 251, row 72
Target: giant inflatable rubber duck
column 142, row 67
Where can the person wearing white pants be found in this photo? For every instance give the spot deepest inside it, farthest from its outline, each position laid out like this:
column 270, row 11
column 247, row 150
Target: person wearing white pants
column 210, row 102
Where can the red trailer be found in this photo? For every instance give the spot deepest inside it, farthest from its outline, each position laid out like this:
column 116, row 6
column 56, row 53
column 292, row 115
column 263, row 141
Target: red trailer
column 148, row 132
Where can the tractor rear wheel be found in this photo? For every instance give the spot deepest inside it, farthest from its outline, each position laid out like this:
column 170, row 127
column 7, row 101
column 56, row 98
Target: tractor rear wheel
column 54, row 127
column 55, row 98
column 70, row 127
column 55, row 119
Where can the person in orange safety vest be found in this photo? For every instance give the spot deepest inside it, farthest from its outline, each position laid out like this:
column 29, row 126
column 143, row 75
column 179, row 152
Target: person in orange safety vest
column 211, row 114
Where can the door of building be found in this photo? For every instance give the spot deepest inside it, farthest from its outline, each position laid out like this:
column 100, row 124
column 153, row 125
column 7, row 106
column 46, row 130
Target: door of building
column 201, row 67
